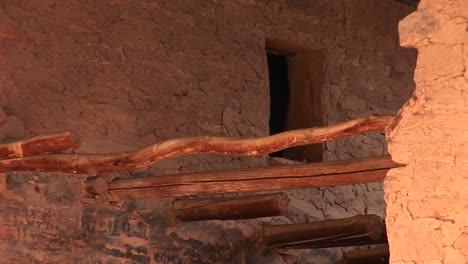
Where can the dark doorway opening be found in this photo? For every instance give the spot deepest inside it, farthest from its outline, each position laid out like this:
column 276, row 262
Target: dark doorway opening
column 279, row 94
column 296, row 79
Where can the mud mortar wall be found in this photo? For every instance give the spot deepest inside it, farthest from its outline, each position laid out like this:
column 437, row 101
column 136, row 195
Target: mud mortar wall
column 125, row 74
column 428, row 199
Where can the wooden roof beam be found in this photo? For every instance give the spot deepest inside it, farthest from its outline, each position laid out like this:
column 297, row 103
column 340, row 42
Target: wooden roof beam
column 232, row 208
column 351, row 231
column 331, row 173
column 378, row 255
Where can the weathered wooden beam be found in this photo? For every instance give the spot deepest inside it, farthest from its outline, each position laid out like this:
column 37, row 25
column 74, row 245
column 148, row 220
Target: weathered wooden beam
column 352, row 231
column 275, row 178
column 189, row 210
column 378, row 255
column 92, row 164
column 38, row 145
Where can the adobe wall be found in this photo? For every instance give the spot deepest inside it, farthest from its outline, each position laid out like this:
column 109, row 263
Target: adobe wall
column 125, row 74
column 428, row 199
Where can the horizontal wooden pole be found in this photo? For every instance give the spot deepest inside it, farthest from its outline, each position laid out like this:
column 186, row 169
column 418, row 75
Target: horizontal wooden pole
column 39, row 145
column 275, row 178
column 188, row 210
column 93, row 164
column 352, row 231
column 236, row 186
column 378, row 255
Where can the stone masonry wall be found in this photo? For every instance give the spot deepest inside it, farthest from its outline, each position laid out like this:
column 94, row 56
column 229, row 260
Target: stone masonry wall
column 123, row 74
column 427, row 214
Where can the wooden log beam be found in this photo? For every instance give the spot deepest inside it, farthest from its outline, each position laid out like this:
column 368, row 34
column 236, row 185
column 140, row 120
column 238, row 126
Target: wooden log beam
column 352, row 231
column 378, row 255
column 276, row 178
column 189, row 210
column 93, row 164
column 38, row 145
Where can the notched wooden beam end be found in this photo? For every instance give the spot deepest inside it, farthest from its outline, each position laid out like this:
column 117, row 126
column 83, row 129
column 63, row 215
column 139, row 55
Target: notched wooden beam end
column 96, row 186
column 96, row 190
column 38, row 145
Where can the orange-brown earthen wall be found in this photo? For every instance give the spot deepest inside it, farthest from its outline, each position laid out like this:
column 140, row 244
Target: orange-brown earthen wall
column 123, row 74
column 427, row 201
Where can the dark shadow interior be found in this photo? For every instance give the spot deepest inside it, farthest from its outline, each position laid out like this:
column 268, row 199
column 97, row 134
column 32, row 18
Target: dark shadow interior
column 279, row 94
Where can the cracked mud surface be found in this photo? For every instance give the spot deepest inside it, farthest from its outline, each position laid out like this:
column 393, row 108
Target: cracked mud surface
column 427, row 200
column 125, row 74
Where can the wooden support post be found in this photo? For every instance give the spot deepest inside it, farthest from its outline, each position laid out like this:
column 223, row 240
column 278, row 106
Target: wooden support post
column 188, row 210
column 93, row 164
column 275, row 178
column 378, row 255
column 38, row 145
column 352, row 231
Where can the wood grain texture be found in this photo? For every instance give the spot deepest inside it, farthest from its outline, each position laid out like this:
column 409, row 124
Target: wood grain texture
column 93, row 164
column 351, row 231
column 247, row 207
column 378, row 255
column 330, row 173
column 39, row 145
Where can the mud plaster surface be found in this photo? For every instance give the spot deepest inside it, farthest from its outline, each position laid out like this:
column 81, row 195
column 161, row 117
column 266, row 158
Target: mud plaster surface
column 124, row 74
column 427, row 214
